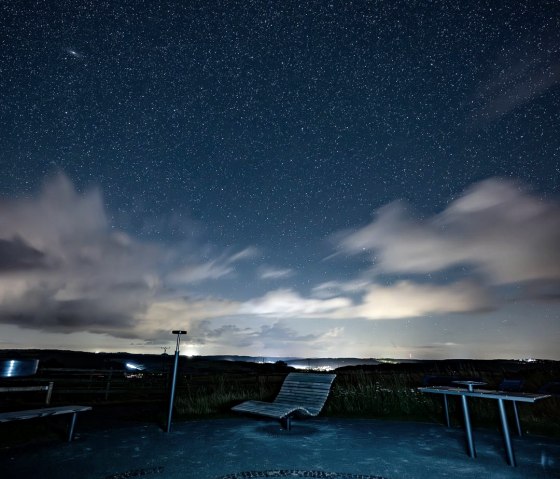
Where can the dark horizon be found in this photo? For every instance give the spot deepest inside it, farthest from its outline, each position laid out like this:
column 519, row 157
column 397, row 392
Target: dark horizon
column 5, row 354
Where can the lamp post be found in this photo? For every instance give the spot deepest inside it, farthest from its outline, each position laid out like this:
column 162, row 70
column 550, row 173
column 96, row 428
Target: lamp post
column 172, row 398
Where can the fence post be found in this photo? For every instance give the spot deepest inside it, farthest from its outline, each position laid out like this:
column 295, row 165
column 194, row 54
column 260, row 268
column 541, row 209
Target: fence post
column 49, row 393
column 108, row 386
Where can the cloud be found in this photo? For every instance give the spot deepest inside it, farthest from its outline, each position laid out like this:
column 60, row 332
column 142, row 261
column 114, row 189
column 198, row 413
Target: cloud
column 436, row 346
column 335, row 288
column 63, row 268
column 282, row 332
column 284, row 303
column 67, row 269
column 497, row 228
column 163, row 315
column 406, row 300
column 17, row 255
column 197, row 273
column 278, row 338
column 275, row 273
column 247, row 253
column 520, row 74
column 59, row 219
column 220, row 267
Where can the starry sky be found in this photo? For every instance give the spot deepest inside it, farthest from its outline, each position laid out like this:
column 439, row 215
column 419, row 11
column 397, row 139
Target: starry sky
column 296, row 178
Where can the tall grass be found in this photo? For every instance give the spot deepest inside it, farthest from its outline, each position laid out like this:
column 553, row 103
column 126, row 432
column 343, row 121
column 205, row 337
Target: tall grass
column 374, row 394
column 218, row 394
column 362, row 394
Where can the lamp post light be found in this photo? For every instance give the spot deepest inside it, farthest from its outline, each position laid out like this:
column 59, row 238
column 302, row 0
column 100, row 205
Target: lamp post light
column 173, row 381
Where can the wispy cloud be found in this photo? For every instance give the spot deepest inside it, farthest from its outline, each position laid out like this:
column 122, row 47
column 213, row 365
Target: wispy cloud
column 336, row 288
column 267, row 272
column 497, row 228
column 196, row 273
column 406, row 300
column 520, row 74
column 247, row 253
column 284, row 303
column 216, row 268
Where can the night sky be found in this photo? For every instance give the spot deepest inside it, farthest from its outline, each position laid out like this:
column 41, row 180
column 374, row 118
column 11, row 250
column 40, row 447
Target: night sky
column 306, row 178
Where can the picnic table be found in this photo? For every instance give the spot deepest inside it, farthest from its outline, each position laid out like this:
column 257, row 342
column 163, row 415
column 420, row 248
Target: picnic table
column 500, row 396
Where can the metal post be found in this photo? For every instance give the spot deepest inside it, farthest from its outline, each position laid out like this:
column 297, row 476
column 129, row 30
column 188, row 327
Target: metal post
column 505, row 428
column 71, row 426
column 172, row 398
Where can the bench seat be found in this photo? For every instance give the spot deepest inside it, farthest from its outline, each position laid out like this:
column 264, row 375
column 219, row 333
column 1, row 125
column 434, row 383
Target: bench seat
column 45, row 412
column 270, row 409
column 302, row 394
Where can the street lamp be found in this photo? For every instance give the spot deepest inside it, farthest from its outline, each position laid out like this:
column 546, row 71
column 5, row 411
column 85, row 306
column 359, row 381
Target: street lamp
column 172, row 398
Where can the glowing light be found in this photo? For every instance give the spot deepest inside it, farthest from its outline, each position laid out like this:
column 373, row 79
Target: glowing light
column 191, row 350
column 134, row 366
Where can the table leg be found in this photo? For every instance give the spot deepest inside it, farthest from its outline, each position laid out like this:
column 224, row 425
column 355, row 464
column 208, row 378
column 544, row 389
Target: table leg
column 505, row 428
column 468, row 428
column 517, row 422
column 446, row 408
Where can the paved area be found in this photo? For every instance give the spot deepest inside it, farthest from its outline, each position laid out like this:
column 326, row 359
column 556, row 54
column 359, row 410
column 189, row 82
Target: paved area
column 235, row 447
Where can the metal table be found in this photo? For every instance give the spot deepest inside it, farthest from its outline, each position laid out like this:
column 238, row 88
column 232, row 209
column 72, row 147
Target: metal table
column 500, row 396
column 470, row 384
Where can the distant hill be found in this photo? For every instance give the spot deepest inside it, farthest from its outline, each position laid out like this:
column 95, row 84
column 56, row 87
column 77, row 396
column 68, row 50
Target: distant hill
column 232, row 363
column 161, row 362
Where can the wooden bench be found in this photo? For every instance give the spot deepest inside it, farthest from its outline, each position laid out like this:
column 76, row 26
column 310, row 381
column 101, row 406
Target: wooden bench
column 17, row 389
column 302, row 394
column 44, row 412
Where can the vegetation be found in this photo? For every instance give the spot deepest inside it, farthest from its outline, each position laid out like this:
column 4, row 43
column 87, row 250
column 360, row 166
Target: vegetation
column 217, row 394
column 388, row 392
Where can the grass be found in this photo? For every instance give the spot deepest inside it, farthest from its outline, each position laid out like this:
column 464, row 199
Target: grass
column 361, row 394
column 219, row 393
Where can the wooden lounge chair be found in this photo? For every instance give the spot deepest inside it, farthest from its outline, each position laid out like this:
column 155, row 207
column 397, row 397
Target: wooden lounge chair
column 301, row 394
